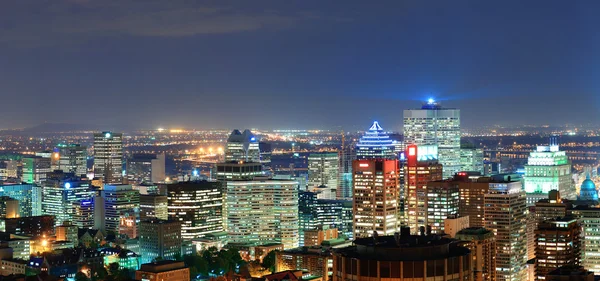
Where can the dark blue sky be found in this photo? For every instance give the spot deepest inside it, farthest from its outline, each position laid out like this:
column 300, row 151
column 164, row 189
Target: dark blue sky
column 299, row 64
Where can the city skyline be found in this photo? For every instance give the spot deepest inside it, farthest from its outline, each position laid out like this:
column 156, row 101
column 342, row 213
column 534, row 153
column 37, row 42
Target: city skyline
column 179, row 64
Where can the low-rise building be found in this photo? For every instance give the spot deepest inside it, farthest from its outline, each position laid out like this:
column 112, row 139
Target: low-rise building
column 315, row 261
column 163, row 270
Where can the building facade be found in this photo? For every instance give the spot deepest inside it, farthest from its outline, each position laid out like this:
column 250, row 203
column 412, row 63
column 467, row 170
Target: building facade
column 154, row 206
column 60, row 191
column 482, row 244
column 375, row 144
column 198, row 206
column 421, row 168
column 108, row 157
column 557, row 243
column 263, row 211
column 403, row 257
column 442, row 202
column 547, row 169
column 242, row 147
column 115, row 202
column 505, row 215
column 28, row 195
column 376, row 194
column 323, row 174
column 438, row 126
column 160, row 238
column 70, row 158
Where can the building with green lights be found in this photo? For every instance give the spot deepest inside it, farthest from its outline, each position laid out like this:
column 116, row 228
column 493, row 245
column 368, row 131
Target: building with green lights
column 547, row 169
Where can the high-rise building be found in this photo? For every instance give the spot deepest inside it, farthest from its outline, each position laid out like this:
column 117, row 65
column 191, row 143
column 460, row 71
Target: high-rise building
column 375, row 144
column 553, row 207
column 70, row 158
column 35, row 169
column 482, row 244
column 548, row 168
column 438, row 126
column 403, row 257
column 557, row 243
column 347, row 155
column 67, row 232
column 421, row 168
column 505, row 214
column 242, row 147
column 471, row 158
column 323, row 174
column 28, row 195
column 262, row 211
column 60, row 191
column 198, row 206
column 153, row 206
column 115, row 201
column 265, row 155
column 590, row 220
column 376, row 196
column 441, row 202
column 9, row 207
column 228, row 171
column 83, row 213
column 160, row 238
column 314, row 213
column 108, row 157
column 146, row 168
column 472, row 190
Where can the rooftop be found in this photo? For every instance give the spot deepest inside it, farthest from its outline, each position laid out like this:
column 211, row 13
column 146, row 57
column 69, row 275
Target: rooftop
column 162, row 266
column 403, row 248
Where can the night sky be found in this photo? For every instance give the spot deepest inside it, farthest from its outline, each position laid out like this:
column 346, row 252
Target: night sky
column 296, row 64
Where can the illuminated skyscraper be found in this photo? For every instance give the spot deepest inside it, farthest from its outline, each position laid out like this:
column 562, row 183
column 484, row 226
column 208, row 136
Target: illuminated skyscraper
column 421, row 168
column 263, row 211
column 146, row 168
column 242, row 147
column 505, row 214
column 198, row 206
column 434, row 125
column 482, row 244
column 60, row 191
column 35, row 169
column 153, row 206
column 442, row 202
column 376, row 196
column 28, row 195
column 557, row 243
column 115, row 202
column 375, row 144
column 347, row 156
column 160, row 238
column 108, row 157
column 83, row 214
column 548, row 168
column 590, row 220
column 471, row 158
column 314, row 213
column 70, row 158
column 323, row 174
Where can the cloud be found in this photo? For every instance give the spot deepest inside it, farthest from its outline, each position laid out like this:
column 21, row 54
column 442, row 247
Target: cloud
column 57, row 22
